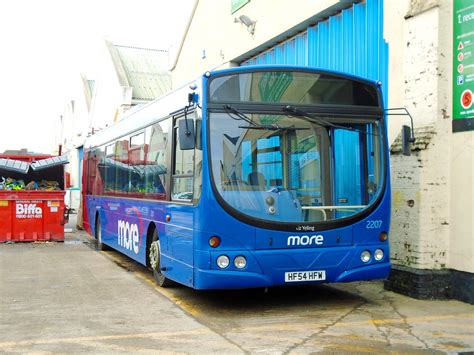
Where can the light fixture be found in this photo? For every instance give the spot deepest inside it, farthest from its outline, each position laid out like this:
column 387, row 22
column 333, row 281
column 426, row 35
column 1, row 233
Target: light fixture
column 365, row 256
column 378, row 255
column 223, row 261
column 247, row 21
column 240, row 262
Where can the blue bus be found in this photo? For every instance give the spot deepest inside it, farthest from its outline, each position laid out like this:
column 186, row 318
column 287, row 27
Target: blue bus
column 249, row 177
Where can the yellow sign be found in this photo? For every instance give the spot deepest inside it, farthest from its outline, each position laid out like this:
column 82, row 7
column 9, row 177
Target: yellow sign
column 3, row 203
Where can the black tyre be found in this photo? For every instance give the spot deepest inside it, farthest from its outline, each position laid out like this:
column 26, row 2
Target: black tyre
column 154, row 256
column 98, row 235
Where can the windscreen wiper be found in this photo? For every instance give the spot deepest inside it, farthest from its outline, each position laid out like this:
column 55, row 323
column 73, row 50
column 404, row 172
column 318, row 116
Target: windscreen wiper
column 292, row 111
column 253, row 125
column 239, row 115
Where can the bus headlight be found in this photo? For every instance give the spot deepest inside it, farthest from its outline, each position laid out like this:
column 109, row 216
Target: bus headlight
column 223, row 261
column 240, row 262
column 378, row 255
column 365, row 256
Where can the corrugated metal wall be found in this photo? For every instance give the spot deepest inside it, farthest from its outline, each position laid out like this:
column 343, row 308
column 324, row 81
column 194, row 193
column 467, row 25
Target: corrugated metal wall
column 351, row 42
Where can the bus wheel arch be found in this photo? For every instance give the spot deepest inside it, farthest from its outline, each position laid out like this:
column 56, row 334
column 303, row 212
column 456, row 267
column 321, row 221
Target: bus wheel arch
column 98, row 232
column 149, row 238
column 154, row 257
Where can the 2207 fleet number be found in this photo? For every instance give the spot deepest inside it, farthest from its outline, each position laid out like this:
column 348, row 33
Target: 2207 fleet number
column 373, row 224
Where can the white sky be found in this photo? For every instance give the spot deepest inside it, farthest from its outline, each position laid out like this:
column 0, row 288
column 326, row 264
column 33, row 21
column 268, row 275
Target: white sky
column 46, row 44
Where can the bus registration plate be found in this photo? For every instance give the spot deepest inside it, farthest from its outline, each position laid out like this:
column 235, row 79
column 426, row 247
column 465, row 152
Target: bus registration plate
column 301, row 276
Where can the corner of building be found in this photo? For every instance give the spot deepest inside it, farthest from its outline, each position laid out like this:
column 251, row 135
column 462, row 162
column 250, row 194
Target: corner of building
column 432, row 212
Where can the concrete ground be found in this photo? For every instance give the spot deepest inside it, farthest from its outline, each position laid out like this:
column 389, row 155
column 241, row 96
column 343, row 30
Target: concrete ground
column 68, row 297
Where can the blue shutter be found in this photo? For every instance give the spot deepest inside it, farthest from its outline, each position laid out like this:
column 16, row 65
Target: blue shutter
column 350, row 42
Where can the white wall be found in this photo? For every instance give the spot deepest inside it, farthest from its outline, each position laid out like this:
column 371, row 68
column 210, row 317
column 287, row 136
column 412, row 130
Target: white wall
column 214, row 32
column 74, row 130
column 432, row 216
column 461, row 157
column 108, row 94
column 78, row 121
column 461, row 252
column 395, row 35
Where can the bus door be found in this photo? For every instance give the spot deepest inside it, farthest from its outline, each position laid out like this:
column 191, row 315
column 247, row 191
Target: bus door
column 179, row 230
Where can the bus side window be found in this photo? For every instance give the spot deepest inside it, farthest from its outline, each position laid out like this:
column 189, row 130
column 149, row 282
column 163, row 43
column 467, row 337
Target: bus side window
column 90, row 171
column 136, row 153
column 94, row 174
column 122, row 179
column 108, row 170
column 183, row 173
column 156, row 160
column 93, row 177
column 136, row 161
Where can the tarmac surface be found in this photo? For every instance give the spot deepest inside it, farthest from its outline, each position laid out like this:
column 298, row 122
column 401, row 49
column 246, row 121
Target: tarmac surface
column 69, row 297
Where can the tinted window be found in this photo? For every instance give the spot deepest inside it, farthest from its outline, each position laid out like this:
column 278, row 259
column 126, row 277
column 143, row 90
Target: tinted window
column 107, row 169
column 183, row 174
column 156, row 160
column 136, row 162
column 292, row 88
column 94, row 181
column 122, row 171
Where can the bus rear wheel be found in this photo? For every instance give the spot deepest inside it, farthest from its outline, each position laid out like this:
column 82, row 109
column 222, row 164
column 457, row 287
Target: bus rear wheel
column 98, row 235
column 155, row 264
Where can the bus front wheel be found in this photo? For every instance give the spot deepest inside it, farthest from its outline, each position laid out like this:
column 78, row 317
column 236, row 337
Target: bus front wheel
column 155, row 264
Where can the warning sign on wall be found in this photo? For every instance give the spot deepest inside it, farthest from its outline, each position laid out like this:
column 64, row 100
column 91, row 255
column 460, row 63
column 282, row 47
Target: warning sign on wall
column 463, row 65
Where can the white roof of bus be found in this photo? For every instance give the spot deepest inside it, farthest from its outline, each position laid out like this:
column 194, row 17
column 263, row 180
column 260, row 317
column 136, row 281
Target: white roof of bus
column 143, row 116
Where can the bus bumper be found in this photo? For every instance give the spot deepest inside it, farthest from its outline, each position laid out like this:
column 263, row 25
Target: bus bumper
column 216, row 279
column 370, row 272
column 220, row 279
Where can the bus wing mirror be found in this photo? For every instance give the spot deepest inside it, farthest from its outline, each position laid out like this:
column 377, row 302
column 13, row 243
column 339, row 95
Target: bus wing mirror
column 406, row 140
column 186, row 134
column 408, row 134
